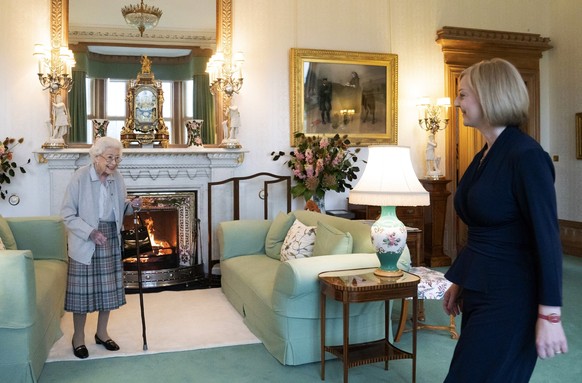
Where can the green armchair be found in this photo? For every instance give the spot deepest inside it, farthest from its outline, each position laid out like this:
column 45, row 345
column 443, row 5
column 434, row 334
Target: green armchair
column 32, row 291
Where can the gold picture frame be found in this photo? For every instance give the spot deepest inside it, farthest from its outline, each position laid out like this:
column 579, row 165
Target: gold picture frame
column 362, row 101
column 579, row 136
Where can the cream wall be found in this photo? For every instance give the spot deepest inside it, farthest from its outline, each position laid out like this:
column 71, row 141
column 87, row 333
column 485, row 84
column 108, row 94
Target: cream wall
column 564, row 101
column 265, row 30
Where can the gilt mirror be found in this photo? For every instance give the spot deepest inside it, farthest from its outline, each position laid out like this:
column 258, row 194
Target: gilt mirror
column 199, row 40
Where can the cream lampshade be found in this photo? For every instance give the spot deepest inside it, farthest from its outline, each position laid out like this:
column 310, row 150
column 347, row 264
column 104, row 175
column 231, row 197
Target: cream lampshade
column 389, row 181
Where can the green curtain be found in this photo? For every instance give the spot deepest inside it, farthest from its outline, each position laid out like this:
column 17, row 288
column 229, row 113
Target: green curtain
column 204, row 107
column 78, row 108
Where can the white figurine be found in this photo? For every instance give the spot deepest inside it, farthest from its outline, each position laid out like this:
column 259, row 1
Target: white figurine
column 225, row 129
column 61, row 118
column 230, row 128
column 432, row 161
column 234, row 121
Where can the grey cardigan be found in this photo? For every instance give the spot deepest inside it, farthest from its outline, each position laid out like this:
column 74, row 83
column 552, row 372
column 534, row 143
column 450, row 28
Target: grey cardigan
column 80, row 210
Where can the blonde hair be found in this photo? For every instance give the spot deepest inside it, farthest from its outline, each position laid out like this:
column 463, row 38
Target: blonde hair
column 500, row 90
column 102, row 144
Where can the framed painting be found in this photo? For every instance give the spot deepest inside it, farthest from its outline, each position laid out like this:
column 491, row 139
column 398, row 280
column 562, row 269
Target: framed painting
column 353, row 93
column 579, row 136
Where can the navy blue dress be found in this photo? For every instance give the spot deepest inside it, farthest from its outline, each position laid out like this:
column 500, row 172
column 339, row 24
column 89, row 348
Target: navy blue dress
column 512, row 261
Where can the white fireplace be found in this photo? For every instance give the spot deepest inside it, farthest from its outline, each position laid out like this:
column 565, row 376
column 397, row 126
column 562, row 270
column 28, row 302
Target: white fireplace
column 153, row 170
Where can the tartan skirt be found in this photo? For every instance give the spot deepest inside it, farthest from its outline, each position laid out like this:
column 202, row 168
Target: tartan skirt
column 98, row 286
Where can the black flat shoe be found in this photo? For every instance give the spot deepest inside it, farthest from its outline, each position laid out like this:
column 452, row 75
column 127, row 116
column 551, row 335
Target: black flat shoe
column 109, row 344
column 81, row 352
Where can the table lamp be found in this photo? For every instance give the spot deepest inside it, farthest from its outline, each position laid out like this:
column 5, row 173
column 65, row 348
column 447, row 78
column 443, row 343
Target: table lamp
column 389, row 181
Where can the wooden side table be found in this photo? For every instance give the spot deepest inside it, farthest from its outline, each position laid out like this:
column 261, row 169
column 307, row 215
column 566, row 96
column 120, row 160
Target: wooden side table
column 434, row 222
column 415, row 245
column 361, row 285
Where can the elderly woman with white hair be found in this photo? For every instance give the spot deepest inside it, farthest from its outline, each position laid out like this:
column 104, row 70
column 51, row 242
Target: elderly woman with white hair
column 93, row 208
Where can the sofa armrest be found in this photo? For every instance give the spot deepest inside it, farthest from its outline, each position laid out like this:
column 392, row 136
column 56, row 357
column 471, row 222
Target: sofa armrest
column 17, row 289
column 45, row 237
column 300, row 276
column 244, row 237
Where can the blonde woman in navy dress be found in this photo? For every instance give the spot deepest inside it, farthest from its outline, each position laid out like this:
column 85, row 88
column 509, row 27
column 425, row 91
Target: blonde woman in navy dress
column 507, row 280
column 93, row 208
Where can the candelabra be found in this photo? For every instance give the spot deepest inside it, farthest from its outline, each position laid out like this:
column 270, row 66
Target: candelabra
column 432, row 118
column 54, row 68
column 54, row 73
column 225, row 77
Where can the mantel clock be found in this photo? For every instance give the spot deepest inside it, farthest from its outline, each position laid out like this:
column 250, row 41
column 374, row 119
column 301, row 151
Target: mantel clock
column 144, row 124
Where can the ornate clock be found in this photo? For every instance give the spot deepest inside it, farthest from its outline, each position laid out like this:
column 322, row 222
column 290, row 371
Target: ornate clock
column 144, row 124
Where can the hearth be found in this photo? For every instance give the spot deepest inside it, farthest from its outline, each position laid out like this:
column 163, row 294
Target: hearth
column 169, row 251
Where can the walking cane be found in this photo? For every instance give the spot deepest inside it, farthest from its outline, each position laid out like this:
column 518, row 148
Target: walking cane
column 139, row 280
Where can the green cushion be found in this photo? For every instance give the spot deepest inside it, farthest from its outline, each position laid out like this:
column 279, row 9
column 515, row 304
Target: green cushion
column 277, row 233
column 330, row 240
column 6, row 234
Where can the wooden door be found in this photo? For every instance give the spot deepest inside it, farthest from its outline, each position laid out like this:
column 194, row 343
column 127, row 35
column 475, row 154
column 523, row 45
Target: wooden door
column 463, row 47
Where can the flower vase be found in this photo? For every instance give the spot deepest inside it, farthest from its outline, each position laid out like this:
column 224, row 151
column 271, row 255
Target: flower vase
column 99, row 128
column 320, row 202
column 194, row 129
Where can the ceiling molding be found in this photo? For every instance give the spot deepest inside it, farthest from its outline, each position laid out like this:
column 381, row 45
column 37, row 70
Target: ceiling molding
column 202, row 39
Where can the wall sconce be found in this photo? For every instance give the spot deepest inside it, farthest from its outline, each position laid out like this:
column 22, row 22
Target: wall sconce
column 432, row 118
column 54, row 73
column 54, row 68
column 225, row 76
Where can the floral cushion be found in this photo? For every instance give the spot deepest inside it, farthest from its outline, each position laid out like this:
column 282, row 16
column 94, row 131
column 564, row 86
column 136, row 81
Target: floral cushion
column 299, row 242
column 433, row 284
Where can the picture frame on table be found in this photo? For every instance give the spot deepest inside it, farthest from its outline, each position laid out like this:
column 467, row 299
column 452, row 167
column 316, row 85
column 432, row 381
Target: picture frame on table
column 342, row 92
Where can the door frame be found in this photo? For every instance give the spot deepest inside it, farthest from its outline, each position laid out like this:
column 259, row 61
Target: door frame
column 463, row 47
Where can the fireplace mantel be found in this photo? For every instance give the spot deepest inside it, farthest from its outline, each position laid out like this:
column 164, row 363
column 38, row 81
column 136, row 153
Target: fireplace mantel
column 151, row 170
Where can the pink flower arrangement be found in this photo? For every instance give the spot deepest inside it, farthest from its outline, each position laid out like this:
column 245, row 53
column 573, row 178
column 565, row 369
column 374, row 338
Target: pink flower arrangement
column 320, row 164
column 7, row 166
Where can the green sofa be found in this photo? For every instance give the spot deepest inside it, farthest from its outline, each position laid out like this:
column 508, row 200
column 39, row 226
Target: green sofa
column 32, row 293
column 279, row 301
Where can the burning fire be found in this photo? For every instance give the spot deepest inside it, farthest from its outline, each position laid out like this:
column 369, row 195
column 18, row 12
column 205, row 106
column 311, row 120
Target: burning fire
column 162, row 247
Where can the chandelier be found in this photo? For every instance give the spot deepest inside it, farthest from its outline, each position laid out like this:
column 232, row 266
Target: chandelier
column 141, row 16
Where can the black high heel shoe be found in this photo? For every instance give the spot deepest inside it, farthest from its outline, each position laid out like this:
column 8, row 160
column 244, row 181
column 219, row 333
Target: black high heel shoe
column 80, row 352
column 109, row 344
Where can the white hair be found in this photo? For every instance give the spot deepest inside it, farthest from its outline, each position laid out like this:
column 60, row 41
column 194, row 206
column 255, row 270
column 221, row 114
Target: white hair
column 102, row 144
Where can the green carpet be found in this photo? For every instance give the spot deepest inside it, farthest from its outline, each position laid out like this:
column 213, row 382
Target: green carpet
column 252, row 363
